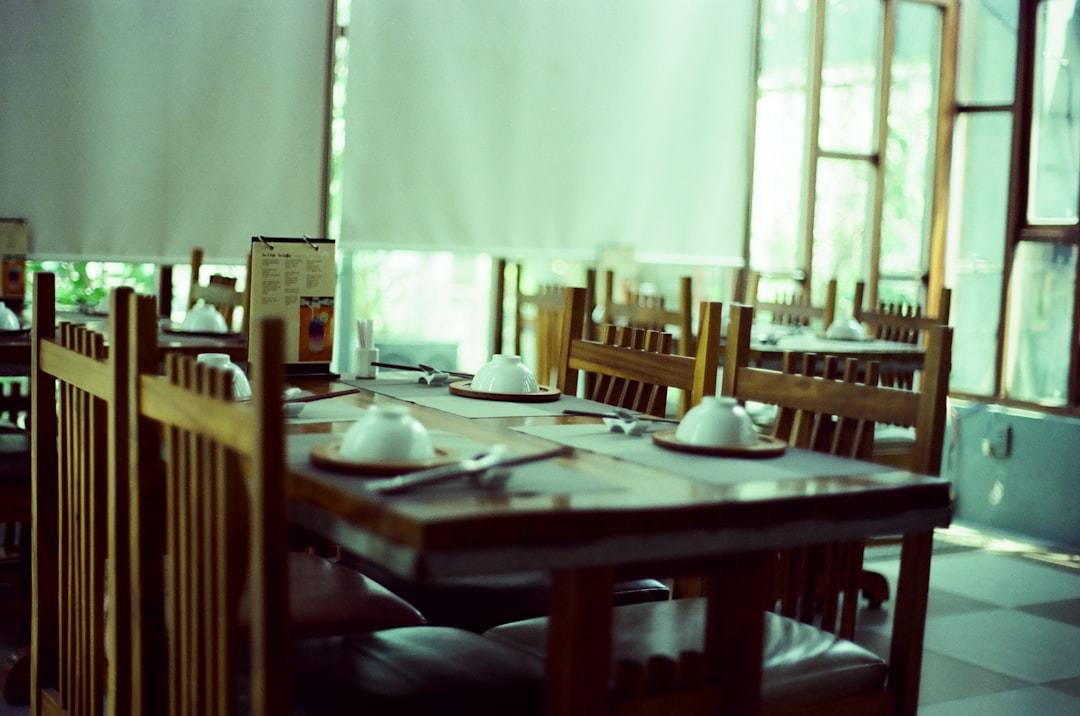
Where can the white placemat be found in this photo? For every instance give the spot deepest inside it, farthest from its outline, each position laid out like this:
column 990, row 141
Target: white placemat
column 793, row 464
column 331, row 409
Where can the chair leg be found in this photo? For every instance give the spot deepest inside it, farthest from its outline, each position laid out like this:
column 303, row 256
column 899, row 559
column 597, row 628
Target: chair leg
column 874, row 587
column 15, row 678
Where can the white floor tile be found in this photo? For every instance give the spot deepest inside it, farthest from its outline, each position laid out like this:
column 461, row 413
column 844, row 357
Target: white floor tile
column 1032, row 701
column 1004, row 580
column 1010, row 642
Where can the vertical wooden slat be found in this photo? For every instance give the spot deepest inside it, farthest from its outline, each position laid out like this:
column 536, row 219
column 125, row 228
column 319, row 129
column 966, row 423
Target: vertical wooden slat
column 45, row 525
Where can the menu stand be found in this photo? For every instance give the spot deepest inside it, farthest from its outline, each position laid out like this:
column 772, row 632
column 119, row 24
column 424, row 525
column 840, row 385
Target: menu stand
column 294, row 279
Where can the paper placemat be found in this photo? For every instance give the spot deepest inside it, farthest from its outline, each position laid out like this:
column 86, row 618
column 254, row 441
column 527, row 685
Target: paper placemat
column 540, row 478
column 329, row 410
column 793, row 464
column 405, row 386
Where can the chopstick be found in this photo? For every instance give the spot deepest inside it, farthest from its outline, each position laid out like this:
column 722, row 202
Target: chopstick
column 643, row 418
column 422, row 369
column 322, row 396
column 397, row 366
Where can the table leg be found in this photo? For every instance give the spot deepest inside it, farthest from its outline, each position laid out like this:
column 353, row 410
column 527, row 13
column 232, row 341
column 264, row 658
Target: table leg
column 579, row 642
column 735, row 628
column 909, row 620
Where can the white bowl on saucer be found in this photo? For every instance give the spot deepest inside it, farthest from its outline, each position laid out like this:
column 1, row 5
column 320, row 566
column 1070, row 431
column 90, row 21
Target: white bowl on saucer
column 505, row 373
column 717, row 422
column 846, row 329
column 9, row 320
column 240, row 384
column 387, row 433
column 204, row 318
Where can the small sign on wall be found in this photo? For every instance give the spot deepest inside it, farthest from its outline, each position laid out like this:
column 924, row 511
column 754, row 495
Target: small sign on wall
column 14, row 245
column 295, row 279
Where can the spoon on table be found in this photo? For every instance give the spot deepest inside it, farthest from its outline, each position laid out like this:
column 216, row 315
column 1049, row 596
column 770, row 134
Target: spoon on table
column 620, row 414
column 487, row 470
column 423, row 368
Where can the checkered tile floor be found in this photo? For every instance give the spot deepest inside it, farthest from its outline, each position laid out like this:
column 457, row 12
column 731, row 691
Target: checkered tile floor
column 1002, row 629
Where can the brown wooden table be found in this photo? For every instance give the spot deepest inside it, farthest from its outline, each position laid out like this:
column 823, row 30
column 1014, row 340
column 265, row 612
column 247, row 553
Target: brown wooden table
column 631, row 520
column 771, row 342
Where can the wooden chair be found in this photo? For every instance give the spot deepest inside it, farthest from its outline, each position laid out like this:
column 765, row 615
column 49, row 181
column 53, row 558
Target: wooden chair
column 901, row 322
column 219, row 291
column 923, row 411
column 15, row 493
column 793, row 309
column 75, row 386
column 15, row 523
column 905, row 323
column 219, row 519
column 634, row 368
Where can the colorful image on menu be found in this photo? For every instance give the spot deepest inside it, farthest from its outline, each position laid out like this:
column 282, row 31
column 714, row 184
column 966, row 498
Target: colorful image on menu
column 316, row 328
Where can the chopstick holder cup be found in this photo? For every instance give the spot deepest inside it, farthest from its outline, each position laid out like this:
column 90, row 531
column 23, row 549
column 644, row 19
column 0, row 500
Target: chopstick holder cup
column 365, row 359
column 366, row 355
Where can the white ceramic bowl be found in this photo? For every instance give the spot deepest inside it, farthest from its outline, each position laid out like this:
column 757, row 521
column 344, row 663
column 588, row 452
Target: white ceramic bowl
column 387, row 433
column 717, row 422
column 9, row 320
column 241, row 386
column 505, row 373
column 846, row 329
column 204, row 318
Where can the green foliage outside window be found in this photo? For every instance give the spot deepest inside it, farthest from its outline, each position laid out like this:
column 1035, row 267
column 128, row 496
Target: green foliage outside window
column 86, row 283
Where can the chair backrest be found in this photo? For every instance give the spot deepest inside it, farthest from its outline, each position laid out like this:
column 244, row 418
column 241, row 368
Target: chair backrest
column 795, row 308
column 219, row 291
column 833, row 409
column 635, row 369
column 900, row 321
column 77, row 389
column 219, row 516
column 652, row 312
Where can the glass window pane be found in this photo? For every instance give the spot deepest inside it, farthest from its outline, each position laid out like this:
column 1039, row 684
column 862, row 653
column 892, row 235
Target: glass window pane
column 986, row 72
column 909, row 159
column 976, row 245
column 1040, row 323
column 841, row 222
column 779, row 151
column 849, row 76
column 1055, row 124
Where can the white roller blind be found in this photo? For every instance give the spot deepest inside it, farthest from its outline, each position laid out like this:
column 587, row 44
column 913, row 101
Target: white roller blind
column 549, row 127
column 134, row 130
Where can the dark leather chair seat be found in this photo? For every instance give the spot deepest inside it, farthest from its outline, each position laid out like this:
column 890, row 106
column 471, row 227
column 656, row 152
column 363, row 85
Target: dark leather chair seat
column 436, row 671
column 14, row 455
column 479, row 603
column 801, row 662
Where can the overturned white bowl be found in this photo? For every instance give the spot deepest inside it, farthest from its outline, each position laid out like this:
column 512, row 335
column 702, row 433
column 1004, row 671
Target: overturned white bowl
column 846, row 329
column 387, row 433
column 9, row 320
column 241, row 387
column 505, row 373
column 204, row 318
column 717, row 422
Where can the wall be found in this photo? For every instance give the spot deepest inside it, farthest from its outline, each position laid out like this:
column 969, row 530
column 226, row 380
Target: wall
column 1015, row 470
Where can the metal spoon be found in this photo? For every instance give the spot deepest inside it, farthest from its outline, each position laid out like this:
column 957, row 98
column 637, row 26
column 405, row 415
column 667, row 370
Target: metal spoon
column 486, row 469
column 620, row 414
